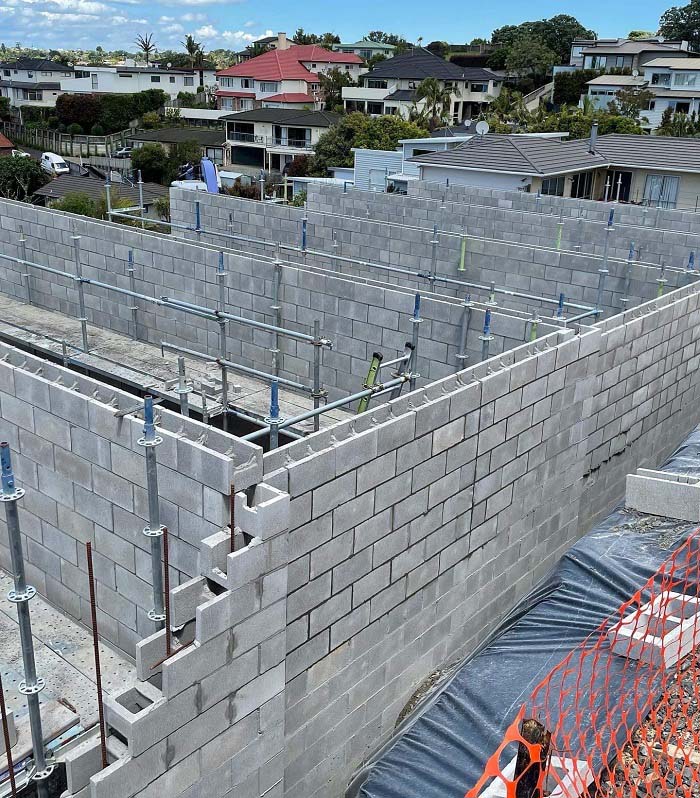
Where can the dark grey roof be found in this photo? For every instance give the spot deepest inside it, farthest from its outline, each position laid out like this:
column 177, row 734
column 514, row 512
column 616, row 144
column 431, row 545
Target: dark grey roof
column 633, row 47
column 406, row 95
column 286, row 116
column 420, row 63
column 95, row 189
column 177, row 135
column 516, row 155
column 23, row 84
column 36, row 65
column 538, row 156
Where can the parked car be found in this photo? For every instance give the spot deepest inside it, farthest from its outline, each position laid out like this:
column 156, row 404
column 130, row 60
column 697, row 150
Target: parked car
column 123, row 152
column 54, row 164
column 20, row 154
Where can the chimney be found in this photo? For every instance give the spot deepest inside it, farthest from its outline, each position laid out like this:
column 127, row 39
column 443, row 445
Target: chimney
column 593, row 139
column 282, row 43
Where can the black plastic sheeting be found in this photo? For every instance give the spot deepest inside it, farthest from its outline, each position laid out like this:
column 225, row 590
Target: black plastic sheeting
column 440, row 751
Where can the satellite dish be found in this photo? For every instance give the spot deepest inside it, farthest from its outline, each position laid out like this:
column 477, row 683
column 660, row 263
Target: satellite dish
column 635, row 73
column 482, row 128
column 169, row 64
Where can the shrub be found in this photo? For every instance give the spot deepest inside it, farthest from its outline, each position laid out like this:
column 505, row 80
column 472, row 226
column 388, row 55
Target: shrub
column 97, row 130
column 151, row 120
column 74, row 129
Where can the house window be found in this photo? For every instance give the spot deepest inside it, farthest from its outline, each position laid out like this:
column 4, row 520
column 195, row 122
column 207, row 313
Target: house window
column 366, row 54
column 315, row 86
column 6, row 73
column 582, row 185
column 155, row 78
column 553, row 186
column 189, row 81
column 47, row 74
column 375, row 108
column 226, row 103
column 680, row 107
column 480, row 87
column 226, row 83
column 375, row 83
column 124, row 75
column 172, row 78
column 268, row 88
column 661, row 191
column 93, row 80
column 684, row 79
column 246, row 83
column 660, row 79
column 30, row 75
column 246, row 105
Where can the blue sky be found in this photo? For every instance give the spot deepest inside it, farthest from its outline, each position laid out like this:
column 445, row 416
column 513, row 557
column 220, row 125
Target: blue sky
column 233, row 23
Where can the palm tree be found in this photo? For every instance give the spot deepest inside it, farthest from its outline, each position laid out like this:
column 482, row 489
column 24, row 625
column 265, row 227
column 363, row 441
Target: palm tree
column 146, row 45
column 438, row 101
column 194, row 48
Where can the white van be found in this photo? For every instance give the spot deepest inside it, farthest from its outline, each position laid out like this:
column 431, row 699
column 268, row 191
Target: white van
column 54, row 164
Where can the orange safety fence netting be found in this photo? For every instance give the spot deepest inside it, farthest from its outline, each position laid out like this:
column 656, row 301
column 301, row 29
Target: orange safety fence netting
column 622, row 708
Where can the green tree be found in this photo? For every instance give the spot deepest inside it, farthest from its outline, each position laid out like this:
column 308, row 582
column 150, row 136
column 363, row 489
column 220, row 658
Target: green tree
column 20, row 178
column 640, row 34
column 77, row 202
column 438, row 102
column 152, row 160
column 81, row 109
column 332, row 83
column 146, row 45
column 394, row 39
column 193, row 48
column 438, row 48
column 529, row 55
column 162, row 207
column 324, row 39
column 4, row 107
column 556, row 34
column 682, row 22
column 334, row 148
column 630, row 101
column 151, row 120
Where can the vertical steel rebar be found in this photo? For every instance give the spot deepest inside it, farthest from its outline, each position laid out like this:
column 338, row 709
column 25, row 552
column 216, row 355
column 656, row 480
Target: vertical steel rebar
column 8, row 745
column 96, row 650
column 81, row 290
column 276, row 308
column 166, row 588
column 154, row 530
column 223, row 351
column 274, row 420
column 318, row 392
column 21, row 595
column 433, row 255
column 415, row 321
column 141, row 206
column 23, row 256
column 486, row 336
column 560, row 306
column 462, row 253
column 132, row 287
column 108, row 197
column 232, row 518
column 534, row 324
column 462, row 355
column 64, row 353
column 198, row 219
column 182, row 388
column 372, row 374
column 205, row 409
column 661, row 281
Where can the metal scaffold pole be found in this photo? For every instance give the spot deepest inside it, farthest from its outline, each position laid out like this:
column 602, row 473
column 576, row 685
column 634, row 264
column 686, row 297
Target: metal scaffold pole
column 276, row 308
column 223, row 353
column 81, row 291
column 413, row 365
column 21, row 595
column 154, row 530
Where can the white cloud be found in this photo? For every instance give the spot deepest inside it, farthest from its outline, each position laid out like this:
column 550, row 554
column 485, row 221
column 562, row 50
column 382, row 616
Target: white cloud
column 249, row 24
column 83, row 6
column 74, row 19
column 207, row 31
column 173, row 28
column 190, row 17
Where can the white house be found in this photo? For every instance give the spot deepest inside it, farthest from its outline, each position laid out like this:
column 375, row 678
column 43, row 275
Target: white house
column 130, row 79
column 33, row 82
column 390, row 88
column 674, row 82
column 366, row 49
column 623, row 53
column 286, row 77
column 270, row 138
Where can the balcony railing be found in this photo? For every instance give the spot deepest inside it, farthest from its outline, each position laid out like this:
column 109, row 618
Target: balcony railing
column 251, row 138
column 285, row 141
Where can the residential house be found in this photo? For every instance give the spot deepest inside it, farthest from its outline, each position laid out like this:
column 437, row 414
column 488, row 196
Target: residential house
column 130, row 79
column 60, row 187
column 33, row 82
column 211, row 142
column 658, row 171
column 674, row 82
column 270, row 138
column 390, row 87
column 366, row 49
column 285, row 77
column 6, row 146
column 624, row 53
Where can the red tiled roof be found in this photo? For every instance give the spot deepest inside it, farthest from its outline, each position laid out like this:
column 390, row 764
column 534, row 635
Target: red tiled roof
column 287, row 64
column 289, row 97
column 226, row 93
column 5, row 143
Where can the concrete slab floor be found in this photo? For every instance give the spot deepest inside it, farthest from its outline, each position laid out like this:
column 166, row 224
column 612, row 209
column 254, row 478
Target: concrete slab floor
column 64, row 656
column 141, row 364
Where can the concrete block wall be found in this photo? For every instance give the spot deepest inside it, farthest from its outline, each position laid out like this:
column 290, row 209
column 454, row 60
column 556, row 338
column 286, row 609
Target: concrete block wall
column 209, row 718
column 649, row 394
column 412, row 529
column 85, row 480
column 652, row 241
column 359, row 316
column 682, row 220
column 526, row 268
